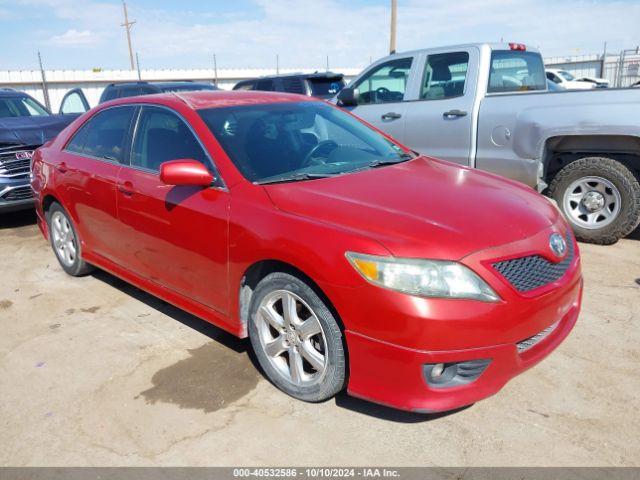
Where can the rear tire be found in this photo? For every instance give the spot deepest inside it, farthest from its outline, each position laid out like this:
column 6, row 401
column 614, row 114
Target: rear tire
column 600, row 197
column 296, row 338
column 66, row 242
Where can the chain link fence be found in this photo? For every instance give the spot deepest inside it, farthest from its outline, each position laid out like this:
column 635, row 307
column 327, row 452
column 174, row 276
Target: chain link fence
column 622, row 70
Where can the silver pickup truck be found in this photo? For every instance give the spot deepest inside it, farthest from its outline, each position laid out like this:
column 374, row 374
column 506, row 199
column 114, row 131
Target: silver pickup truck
column 487, row 106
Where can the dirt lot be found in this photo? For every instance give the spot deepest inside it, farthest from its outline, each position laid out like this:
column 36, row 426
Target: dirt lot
column 96, row 372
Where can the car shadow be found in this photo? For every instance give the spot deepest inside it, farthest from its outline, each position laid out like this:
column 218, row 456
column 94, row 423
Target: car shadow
column 382, row 412
column 635, row 235
column 18, row 219
column 205, row 328
column 342, row 400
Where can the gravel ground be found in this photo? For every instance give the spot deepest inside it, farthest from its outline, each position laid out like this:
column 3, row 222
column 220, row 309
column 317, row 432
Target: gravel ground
column 96, row 372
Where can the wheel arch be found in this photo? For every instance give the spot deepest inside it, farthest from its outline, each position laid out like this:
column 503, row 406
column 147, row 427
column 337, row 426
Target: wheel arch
column 257, row 271
column 47, row 201
column 562, row 150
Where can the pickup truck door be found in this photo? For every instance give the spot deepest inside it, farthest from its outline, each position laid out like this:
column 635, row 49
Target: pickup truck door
column 382, row 92
column 439, row 111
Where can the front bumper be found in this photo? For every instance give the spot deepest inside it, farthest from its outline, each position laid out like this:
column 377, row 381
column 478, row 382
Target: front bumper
column 394, row 376
column 392, row 337
column 15, row 194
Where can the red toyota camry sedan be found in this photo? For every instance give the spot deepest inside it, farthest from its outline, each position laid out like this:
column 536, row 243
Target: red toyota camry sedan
column 348, row 260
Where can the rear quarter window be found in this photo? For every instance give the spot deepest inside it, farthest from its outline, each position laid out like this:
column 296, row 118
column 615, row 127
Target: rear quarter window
column 516, row 71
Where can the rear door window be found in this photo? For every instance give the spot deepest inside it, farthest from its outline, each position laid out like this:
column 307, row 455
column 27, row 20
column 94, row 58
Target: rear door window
column 444, row 76
column 516, row 71
column 266, row 84
column 386, row 83
column 105, row 135
column 293, row 85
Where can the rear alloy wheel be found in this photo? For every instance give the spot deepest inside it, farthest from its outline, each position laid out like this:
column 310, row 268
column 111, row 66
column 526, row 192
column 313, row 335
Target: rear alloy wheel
column 65, row 242
column 296, row 339
column 600, row 197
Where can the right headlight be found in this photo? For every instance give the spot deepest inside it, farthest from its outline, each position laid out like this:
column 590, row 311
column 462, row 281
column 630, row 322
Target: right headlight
column 426, row 278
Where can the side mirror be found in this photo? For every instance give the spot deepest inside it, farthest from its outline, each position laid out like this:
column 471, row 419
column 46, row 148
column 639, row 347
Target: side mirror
column 348, row 97
column 185, row 172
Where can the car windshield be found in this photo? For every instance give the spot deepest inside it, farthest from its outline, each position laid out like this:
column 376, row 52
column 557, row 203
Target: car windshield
column 280, row 142
column 566, row 75
column 21, row 107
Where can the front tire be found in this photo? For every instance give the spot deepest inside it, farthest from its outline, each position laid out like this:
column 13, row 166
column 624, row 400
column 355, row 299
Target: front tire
column 296, row 338
column 600, row 197
column 65, row 242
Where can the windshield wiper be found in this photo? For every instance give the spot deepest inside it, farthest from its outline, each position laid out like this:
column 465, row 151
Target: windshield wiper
column 403, row 157
column 296, row 177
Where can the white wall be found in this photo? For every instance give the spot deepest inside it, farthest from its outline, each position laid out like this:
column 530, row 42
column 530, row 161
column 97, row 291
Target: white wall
column 93, row 82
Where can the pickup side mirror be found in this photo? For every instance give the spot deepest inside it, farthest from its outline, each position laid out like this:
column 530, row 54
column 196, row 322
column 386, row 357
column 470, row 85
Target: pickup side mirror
column 348, row 97
column 185, row 172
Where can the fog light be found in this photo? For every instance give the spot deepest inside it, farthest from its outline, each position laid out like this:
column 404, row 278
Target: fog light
column 437, row 370
column 444, row 375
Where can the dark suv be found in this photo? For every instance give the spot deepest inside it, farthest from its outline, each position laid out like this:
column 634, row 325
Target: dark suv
column 75, row 100
column 321, row 85
column 119, row 90
column 25, row 124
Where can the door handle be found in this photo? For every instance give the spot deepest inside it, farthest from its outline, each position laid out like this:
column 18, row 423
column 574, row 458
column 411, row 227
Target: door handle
column 61, row 167
column 126, row 188
column 391, row 116
column 454, row 113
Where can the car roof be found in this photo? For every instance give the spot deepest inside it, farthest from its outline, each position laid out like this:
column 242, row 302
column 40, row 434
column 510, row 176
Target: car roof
column 296, row 74
column 181, row 83
column 198, row 100
column 10, row 92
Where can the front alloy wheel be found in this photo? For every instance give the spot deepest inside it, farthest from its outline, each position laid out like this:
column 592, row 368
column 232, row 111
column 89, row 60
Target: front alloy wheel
column 296, row 338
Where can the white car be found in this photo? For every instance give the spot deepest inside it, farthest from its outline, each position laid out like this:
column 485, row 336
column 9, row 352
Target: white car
column 600, row 82
column 568, row 81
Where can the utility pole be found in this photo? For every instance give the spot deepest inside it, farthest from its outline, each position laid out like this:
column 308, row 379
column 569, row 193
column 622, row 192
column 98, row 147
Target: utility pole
column 138, row 66
column 394, row 12
column 215, row 70
column 127, row 25
column 45, row 88
column 603, row 64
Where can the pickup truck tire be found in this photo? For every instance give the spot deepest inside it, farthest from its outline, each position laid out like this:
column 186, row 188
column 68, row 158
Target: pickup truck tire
column 66, row 242
column 600, row 197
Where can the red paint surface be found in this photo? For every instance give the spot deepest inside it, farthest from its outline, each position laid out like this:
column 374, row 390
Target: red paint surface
column 192, row 245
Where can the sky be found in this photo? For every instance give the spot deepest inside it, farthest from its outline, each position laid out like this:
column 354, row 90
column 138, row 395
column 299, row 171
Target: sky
column 85, row 34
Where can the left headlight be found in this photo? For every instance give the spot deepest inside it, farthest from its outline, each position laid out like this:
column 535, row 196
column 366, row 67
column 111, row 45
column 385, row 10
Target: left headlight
column 426, row 278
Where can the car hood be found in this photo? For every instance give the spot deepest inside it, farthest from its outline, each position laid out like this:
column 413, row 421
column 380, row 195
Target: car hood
column 32, row 130
column 423, row 208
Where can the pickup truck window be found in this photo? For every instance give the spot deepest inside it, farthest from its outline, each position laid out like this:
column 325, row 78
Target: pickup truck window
column 445, row 75
column 516, row 71
column 386, row 83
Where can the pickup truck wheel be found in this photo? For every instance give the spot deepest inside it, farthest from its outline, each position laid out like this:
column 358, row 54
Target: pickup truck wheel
column 65, row 242
column 600, row 197
column 296, row 338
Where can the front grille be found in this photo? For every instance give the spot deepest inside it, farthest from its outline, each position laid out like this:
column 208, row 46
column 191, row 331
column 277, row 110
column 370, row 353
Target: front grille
column 529, row 273
column 527, row 343
column 20, row 193
column 15, row 161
